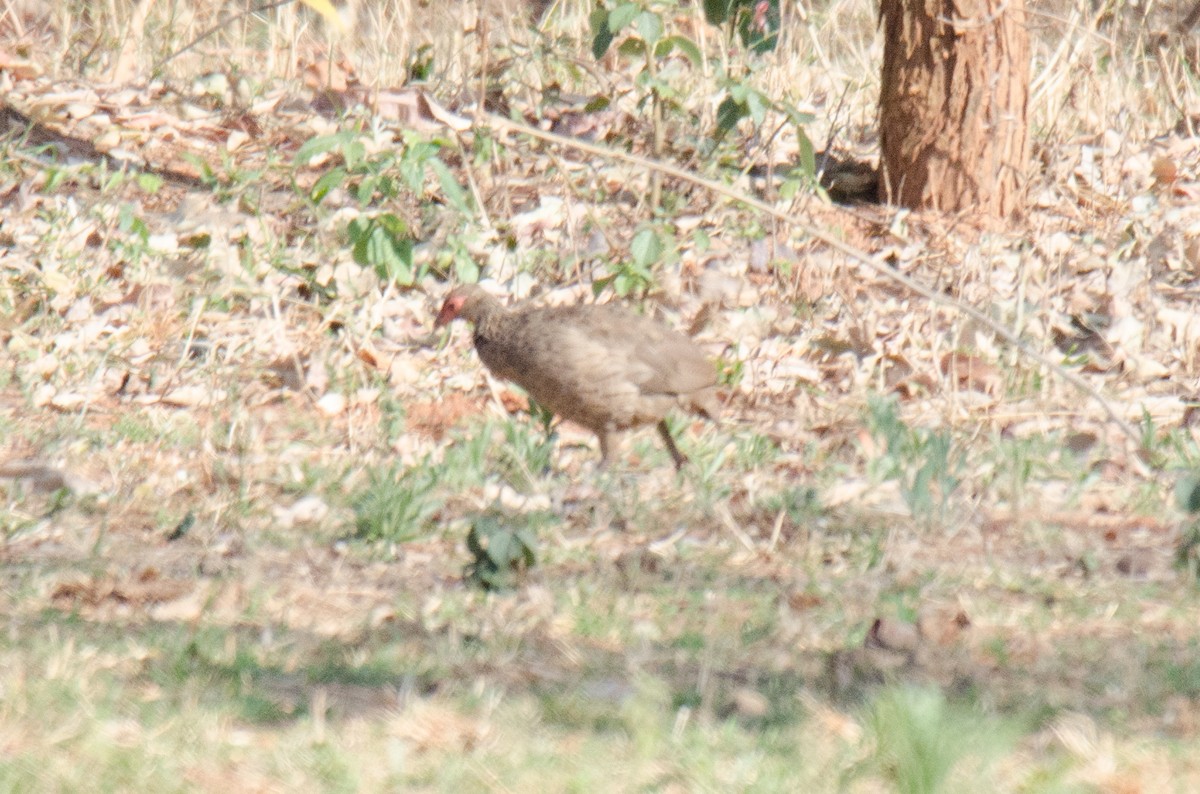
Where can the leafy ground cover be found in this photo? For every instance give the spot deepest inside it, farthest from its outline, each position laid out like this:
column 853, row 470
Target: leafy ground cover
column 265, row 529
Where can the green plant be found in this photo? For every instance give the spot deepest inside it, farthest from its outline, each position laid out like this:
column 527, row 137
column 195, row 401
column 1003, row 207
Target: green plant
column 396, row 505
column 183, row 527
column 730, row 371
column 381, row 239
column 919, row 739
column 467, row 462
column 755, row 21
column 742, row 101
column 228, row 181
column 799, row 503
column 920, row 459
column 529, row 452
column 754, row 450
column 501, row 552
column 757, row 24
column 1187, row 551
column 651, row 247
column 383, row 242
column 641, row 33
column 135, row 241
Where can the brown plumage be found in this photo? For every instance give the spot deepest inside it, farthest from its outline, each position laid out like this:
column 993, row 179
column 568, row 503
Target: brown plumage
column 599, row 365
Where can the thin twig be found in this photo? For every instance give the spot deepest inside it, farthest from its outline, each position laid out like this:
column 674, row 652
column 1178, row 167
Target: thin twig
column 1189, row 22
column 875, row 263
column 224, row 23
column 197, row 313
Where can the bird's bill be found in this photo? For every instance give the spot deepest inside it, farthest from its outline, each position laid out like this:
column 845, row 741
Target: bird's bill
column 448, row 313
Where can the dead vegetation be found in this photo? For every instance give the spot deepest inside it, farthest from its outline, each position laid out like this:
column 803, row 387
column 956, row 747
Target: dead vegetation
column 239, row 467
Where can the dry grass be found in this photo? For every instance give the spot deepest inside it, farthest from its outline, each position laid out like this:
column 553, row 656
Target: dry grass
column 238, row 472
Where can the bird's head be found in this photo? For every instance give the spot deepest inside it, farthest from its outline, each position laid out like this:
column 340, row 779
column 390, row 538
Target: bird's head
column 468, row 302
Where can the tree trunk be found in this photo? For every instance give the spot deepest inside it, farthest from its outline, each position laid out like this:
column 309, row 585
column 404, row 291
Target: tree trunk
column 955, row 85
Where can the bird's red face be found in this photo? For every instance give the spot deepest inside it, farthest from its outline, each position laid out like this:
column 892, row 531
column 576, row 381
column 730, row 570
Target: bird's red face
column 450, row 309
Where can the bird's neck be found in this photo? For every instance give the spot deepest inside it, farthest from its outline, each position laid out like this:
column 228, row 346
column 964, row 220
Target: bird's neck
column 488, row 324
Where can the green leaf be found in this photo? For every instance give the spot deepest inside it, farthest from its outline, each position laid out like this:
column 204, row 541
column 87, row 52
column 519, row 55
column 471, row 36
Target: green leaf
column 729, row 113
column 597, row 103
column 1187, row 493
column 797, row 116
column 631, row 47
column 757, row 105
column 602, row 37
column 526, row 536
column 507, row 550
column 393, row 225
column 183, row 526
column 649, row 25
column 758, row 28
column 646, row 248
column 716, row 11
column 500, row 552
column 622, row 284
column 474, row 544
column 453, row 192
column 150, row 183
column 319, row 145
column 386, row 186
column 420, row 66
column 808, row 155
column 621, row 16
column 131, row 223
column 684, row 45
column 57, row 176
column 366, row 190
column 354, row 153
column 384, row 244
column 466, row 269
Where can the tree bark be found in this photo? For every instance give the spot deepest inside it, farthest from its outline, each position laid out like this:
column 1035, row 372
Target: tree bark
column 952, row 109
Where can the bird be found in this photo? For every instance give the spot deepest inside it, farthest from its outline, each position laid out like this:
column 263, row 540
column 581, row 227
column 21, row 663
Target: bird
column 601, row 366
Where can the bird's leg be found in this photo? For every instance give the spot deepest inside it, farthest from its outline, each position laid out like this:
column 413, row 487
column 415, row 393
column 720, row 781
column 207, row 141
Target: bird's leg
column 676, row 455
column 603, row 435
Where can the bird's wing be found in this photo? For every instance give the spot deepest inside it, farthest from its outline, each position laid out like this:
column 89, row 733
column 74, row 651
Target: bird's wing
column 657, row 359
